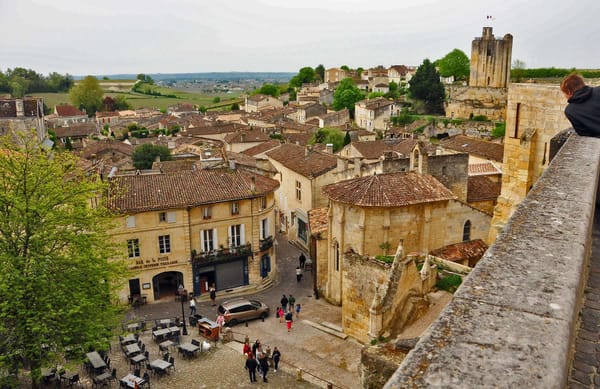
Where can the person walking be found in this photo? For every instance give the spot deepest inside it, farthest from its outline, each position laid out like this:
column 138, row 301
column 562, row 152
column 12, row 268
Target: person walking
column 264, row 366
column 280, row 314
column 292, row 301
column 220, row 321
column 192, row 306
column 302, row 260
column 298, row 274
column 247, row 348
column 284, row 303
column 297, row 311
column 583, row 110
column 276, row 357
column 256, row 348
column 213, row 294
column 289, row 318
column 251, row 366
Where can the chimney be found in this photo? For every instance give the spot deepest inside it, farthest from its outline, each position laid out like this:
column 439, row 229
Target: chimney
column 253, row 184
column 329, row 148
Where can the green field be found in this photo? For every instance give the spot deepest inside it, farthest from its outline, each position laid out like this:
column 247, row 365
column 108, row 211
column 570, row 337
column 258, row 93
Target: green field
column 138, row 100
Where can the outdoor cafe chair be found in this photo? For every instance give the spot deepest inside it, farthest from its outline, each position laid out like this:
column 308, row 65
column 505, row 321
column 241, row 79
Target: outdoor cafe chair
column 146, row 378
column 73, row 379
column 172, row 362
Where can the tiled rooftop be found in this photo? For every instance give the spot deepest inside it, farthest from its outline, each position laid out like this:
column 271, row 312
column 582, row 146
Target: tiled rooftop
column 311, row 164
column 389, row 190
column 475, row 146
column 140, row 193
column 481, row 188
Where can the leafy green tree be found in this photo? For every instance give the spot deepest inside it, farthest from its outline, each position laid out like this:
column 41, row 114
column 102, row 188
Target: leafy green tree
column 56, row 283
column 202, row 109
column 359, row 71
column 68, row 144
column 345, row 67
column 269, row 89
column 518, row 70
column 320, row 71
column 235, row 107
column 145, row 78
column 143, row 156
column 87, row 94
column 374, row 95
column 426, row 87
column 19, row 86
column 455, row 63
column 216, row 100
column 305, row 75
column 346, row 95
column 329, row 135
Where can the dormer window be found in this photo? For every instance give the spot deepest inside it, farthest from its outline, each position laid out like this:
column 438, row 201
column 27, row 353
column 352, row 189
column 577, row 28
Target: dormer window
column 207, row 212
column 235, row 208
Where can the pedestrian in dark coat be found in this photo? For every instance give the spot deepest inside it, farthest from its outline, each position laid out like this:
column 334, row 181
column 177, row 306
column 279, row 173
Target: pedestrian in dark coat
column 284, row 303
column 251, row 366
column 264, row 366
column 302, row 260
column 256, row 348
column 213, row 294
column 292, row 301
column 289, row 318
column 276, row 357
column 583, row 110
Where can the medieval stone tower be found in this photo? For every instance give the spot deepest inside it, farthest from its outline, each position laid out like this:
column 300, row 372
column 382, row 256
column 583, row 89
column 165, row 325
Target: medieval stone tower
column 490, row 60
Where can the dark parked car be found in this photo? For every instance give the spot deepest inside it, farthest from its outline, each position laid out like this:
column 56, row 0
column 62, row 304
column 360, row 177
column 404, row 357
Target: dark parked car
column 242, row 309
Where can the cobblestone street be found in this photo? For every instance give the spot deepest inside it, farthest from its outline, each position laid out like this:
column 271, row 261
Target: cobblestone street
column 322, row 357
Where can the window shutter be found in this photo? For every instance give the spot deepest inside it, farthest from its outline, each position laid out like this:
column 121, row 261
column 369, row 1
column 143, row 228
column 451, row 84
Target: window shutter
column 242, row 235
column 202, row 240
column 230, row 236
column 171, row 217
column 267, row 229
column 215, row 239
column 131, row 221
column 262, row 232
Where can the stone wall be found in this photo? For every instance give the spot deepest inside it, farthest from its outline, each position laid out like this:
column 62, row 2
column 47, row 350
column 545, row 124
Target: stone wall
column 464, row 101
column 511, row 323
column 534, row 116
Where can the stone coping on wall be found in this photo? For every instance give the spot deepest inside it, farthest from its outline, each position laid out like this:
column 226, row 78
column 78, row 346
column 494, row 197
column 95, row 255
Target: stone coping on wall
column 512, row 322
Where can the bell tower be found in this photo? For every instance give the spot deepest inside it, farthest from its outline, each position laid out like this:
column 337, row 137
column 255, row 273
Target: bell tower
column 490, row 60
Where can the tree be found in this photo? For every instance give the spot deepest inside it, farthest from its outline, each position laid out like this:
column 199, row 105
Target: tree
column 269, row 89
column 518, row 70
column 347, row 139
column 235, row 107
column 320, row 72
column 216, row 100
column 143, row 156
column 426, row 86
column 145, row 78
column 304, row 76
column 57, row 286
column 346, row 95
column 329, row 135
column 87, row 94
column 455, row 63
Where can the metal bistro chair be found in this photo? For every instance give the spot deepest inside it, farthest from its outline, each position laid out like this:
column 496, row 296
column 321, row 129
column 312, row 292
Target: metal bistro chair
column 146, row 379
column 172, row 362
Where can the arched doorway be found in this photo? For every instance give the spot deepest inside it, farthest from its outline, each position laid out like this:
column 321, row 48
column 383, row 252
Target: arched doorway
column 166, row 284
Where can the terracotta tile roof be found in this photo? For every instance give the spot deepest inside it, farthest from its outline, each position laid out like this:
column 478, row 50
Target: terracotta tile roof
column 375, row 149
column 401, row 69
column 105, row 114
column 139, row 193
column 300, row 139
column 174, row 166
column 376, row 103
column 261, row 148
column 76, row 130
column 486, row 168
column 293, row 157
column 99, row 147
column 471, row 250
column 389, row 190
column 258, row 97
column 242, row 159
column 481, row 188
column 68, row 110
column 250, row 136
column 318, row 220
column 475, row 146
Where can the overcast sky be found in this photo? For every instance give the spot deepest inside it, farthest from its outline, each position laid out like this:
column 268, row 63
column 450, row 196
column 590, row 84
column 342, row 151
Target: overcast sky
column 82, row 37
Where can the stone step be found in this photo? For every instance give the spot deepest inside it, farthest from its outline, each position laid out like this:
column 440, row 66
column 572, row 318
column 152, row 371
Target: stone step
column 334, row 327
column 323, row 328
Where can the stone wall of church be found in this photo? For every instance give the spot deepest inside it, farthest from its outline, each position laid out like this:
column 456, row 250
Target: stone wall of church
column 534, row 116
column 467, row 101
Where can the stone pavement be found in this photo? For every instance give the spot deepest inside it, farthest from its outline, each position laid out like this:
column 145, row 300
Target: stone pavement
column 322, row 357
column 585, row 369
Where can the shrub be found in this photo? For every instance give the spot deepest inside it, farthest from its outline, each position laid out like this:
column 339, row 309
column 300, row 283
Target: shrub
column 385, row 258
column 499, row 130
column 449, row 283
column 480, row 118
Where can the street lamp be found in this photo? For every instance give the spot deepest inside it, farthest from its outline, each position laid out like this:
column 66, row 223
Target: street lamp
column 183, row 299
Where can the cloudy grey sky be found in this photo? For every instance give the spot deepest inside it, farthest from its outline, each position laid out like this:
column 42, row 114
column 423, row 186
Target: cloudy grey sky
column 171, row 36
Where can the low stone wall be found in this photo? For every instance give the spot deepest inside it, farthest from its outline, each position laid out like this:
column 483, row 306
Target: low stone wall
column 512, row 322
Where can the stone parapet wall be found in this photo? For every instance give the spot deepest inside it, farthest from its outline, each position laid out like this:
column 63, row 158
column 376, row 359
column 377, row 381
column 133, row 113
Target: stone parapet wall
column 511, row 323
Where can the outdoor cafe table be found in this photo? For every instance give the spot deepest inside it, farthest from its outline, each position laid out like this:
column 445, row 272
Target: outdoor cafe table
column 131, row 379
column 175, row 330
column 159, row 334
column 134, row 326
column 129, row 339
column 136, row 359
column 188, row 348
column 160, row 364
column 166, row 322
column 167, row 343
column 132, row 349
column 96, row 360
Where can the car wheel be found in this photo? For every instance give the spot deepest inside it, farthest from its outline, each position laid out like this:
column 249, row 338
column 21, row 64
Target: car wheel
column 263, row 315
column 232, row 322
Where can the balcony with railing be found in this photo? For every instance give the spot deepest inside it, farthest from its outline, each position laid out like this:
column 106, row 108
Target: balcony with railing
column 223, row 254
column 265, row 244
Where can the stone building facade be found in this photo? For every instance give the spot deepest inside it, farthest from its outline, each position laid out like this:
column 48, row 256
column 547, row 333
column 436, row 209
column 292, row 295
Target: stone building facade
column 535, row 114
column 22, row 115
column 194, row 228
column 489, row 78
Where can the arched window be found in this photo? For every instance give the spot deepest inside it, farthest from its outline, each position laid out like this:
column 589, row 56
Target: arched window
column 467, row 231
